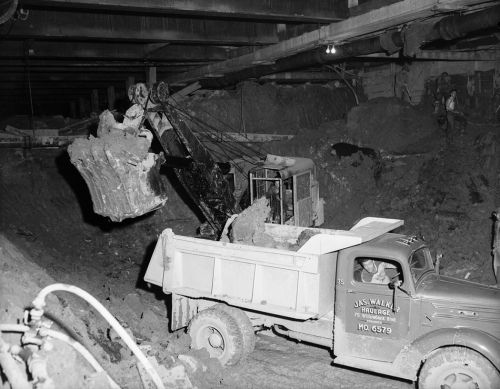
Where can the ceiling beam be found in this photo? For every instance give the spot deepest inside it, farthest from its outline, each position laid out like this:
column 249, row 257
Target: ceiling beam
column 312, row 11
column 98, row 66
column 369, row 23
column 87, row 26
column 8, row 85
column 439, row 55
column 305, row 77
column 120, row 51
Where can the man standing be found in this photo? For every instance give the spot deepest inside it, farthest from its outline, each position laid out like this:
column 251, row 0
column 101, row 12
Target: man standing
column 401, row 84
column 454, row 115
column 443, row 88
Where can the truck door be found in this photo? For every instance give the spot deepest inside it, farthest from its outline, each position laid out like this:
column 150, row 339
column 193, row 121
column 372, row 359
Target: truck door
column 368, row 324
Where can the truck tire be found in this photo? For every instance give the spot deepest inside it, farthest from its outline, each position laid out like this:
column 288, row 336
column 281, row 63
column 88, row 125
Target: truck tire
column 219, row 333
column 458, row 367
column 245, row 325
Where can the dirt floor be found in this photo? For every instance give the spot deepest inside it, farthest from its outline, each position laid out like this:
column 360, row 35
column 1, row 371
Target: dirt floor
column 445, row 193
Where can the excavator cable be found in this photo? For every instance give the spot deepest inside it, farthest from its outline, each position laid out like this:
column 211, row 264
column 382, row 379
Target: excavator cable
column 220, row 133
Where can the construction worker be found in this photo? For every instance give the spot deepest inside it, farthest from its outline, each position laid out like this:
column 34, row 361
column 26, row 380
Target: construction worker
column 453, row 115
column 443, row 89
column 401, row 84
column 374, row 271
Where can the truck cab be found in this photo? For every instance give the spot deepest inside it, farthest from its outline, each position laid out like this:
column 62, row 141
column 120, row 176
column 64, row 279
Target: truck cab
column 426, row 314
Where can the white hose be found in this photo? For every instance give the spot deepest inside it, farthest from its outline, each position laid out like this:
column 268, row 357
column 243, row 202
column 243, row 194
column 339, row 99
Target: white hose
column 13, row 328
column 65, row 338
column 82, row 350
column 39, row 303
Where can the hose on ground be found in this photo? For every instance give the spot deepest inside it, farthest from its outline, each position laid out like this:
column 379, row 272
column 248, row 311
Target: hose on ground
column 10, row 368
column 39, row 304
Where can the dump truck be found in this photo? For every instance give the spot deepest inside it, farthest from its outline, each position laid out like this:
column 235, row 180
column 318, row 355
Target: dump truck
column 412, row 323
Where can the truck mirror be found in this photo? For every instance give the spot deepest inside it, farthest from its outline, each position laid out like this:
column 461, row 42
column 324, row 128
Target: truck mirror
column 394, row 283
column 437, row 262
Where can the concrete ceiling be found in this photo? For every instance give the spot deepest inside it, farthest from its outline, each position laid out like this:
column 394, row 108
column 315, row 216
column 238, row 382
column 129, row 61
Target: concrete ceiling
column 65, row 49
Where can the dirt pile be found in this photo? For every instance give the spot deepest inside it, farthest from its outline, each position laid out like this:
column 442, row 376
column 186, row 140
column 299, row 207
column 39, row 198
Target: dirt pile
column 390, row 124
column 21, row 280
column 271, row 108
column 248, row 227
column 445, row 194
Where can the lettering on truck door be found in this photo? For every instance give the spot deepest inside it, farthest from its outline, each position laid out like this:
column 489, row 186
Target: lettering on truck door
column 368, row 323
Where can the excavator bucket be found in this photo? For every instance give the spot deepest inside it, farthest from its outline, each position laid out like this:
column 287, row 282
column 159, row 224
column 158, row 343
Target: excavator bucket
column 122, row 176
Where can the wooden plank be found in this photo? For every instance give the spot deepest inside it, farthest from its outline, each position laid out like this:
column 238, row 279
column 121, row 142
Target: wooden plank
column 207, row 136
column 368, row 23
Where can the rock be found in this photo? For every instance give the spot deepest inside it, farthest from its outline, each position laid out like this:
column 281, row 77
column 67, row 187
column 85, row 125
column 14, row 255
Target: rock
column 134, row 303
column 250, row 222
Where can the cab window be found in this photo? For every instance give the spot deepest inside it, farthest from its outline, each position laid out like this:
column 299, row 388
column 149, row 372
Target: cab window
column 420, row 262
column 376, row 270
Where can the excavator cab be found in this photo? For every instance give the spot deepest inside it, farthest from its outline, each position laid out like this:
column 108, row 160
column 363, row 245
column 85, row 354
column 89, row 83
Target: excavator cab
column 290, row 186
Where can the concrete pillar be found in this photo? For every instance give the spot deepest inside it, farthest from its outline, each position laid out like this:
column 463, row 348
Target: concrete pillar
column 151, row 74
column 81, row 108
column 72, row 110
column 111, row 98
column 94, row 100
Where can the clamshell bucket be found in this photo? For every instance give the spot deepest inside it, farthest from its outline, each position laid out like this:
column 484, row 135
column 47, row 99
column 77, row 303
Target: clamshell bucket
column 123, row 177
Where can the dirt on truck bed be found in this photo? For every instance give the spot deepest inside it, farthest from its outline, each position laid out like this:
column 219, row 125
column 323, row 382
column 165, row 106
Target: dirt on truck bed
column 445, row 193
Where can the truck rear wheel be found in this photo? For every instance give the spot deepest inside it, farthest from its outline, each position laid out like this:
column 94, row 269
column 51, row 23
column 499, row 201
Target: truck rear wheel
column 245, row 325
column 219, row 333
column 458, row 367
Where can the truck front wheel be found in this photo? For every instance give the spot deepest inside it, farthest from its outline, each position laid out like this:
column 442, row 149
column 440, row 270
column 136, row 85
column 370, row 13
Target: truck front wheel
column 458, row 367
column 219, row 333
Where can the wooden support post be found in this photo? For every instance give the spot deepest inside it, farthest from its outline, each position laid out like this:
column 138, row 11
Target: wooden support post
column 151, row 74
column 94, row 100
column 111, row 98
column 72, row 110
column 81, row 108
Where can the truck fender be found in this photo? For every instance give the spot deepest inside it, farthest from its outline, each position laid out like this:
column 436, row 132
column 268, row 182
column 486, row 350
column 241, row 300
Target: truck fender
column 185, row 308
column 488, row 346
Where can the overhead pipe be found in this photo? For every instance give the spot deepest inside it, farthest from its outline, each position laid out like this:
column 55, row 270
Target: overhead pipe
column 448, row 28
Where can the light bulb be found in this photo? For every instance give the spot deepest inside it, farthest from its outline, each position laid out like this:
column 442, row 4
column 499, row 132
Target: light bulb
column 328, row 49
column 332, row 50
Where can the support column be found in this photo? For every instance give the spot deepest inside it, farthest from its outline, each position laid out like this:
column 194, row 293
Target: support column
column 151, row 74
column 81, row 108
column 94, row 101
column 111, row 98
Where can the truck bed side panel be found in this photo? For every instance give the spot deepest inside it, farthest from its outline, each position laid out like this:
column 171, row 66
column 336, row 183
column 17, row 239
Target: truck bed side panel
column 275, row 281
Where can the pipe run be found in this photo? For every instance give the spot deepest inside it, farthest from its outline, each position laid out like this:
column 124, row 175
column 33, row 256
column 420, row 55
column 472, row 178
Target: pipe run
column 447, row 28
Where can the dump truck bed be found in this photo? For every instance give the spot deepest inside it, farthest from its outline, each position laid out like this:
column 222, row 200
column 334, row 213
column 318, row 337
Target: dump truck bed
column 296, row 284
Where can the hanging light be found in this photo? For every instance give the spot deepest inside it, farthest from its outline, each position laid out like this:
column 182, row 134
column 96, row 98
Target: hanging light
column 330, row 49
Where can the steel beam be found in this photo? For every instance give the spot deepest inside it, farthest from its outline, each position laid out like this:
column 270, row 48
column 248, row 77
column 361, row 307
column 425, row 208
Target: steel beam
column 87, row 26
column 119, row 51
column 439, row 55
column 312, row 11
column 61, row 85
column 367, row 24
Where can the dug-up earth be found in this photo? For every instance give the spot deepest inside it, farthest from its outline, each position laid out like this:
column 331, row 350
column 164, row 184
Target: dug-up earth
column 445, row 193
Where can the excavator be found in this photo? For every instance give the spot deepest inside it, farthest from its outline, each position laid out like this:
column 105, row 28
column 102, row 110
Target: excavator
column 122, row 171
